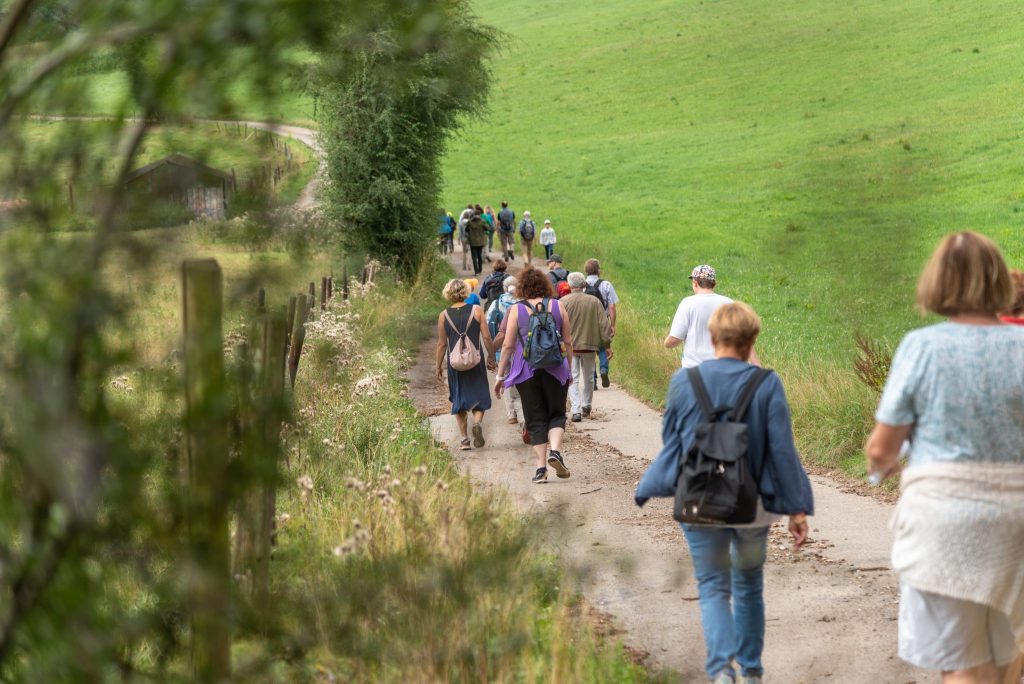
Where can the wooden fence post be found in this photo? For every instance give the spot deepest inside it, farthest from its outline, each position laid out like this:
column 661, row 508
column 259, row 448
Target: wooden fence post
column 312, row 299
column 290, row 319
column 323, row 293
column 261, row 300
column 261, row 446
column 330, row 288
column 298, row 333
column 207, row 455
column 344, row 284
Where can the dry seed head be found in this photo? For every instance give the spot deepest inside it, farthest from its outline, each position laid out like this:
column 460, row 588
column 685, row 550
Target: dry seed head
column 420, row 471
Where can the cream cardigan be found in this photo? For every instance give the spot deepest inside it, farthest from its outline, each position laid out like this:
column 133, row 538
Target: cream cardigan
column 958, row 531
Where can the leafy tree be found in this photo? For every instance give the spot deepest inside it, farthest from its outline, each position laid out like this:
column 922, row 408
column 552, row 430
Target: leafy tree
column 388, row 100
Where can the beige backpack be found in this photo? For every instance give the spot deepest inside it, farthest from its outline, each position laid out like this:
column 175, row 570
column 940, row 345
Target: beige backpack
column 464, row 355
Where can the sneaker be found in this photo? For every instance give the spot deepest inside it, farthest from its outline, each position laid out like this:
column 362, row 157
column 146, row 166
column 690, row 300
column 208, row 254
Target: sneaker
column 724, row 677
column 540, row 477
column 576, row 417
column 749, row 679
column 478, row 436
column 605, row 382
column 586, row 411
column 513, row 419
column 556, row 461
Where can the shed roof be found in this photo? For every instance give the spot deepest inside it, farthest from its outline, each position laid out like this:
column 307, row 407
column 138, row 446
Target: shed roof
column 176, row 159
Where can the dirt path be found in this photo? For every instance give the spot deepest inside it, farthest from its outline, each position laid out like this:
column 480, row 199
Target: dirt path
column 831, row 609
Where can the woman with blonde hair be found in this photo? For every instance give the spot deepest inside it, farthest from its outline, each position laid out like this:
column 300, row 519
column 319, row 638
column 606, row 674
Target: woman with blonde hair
column 955, row 392
column 468, row 391
column 728, row 559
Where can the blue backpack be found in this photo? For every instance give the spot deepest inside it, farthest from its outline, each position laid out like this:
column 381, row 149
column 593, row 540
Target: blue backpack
column 543, row 346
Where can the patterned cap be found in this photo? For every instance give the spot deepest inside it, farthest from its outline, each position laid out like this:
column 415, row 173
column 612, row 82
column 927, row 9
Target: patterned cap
column 703, row 272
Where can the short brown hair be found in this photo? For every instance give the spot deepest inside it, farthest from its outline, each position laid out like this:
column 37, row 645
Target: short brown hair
column 500, row 265
column 734, row 325
column 966, row 274
column 592, row 267
column 1017, row 309
column 532, row 283
column 456, row 290
column 705, row 283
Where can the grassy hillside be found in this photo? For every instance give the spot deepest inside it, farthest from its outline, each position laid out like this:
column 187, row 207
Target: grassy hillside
column 812, row 151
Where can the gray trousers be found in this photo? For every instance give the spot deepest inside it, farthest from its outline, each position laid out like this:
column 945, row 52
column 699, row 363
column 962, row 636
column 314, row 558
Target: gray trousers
column 581, row 391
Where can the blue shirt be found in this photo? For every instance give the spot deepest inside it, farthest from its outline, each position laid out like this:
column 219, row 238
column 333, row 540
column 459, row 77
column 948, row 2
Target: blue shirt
column 962, row 388
column 784, row 486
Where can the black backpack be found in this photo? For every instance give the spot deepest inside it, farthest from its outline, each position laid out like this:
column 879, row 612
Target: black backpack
column 494, row 287
column 716, row 485
column 527, row 228
column 595, row 291
column 542, row 346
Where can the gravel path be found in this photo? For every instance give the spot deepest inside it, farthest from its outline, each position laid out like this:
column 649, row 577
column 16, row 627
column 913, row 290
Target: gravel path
column 831, row 609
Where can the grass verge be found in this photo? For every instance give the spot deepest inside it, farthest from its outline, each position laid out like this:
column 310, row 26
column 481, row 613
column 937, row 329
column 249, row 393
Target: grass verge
column 389, row 566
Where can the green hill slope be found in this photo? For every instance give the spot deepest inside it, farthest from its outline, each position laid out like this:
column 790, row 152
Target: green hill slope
column 812, row 151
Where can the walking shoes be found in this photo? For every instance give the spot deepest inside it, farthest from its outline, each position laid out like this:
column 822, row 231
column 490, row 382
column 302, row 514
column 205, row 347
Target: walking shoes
column 556, row 461
column 586, row 411
column 478, row 436
column 540, row 477
column 576, row 417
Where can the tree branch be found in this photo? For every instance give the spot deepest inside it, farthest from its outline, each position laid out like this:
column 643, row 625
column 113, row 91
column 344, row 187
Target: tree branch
column 15, row 16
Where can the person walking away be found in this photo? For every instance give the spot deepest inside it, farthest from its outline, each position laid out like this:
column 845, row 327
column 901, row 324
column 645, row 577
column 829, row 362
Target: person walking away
column 1015, row 314
column 728, row 559
column 458, row 326
column 548, row 239
column 527, row 233
column 444, row 232
column 556, row 274
column 534, row 325
column 591, row 331
column 464, row 218
column 492, row 227
column 476, row 228
column 690, row 324
column 507, row 231
column 604, row 291
column 955, row 391
column 495, row 323
column 493, row 286
column 480, row 211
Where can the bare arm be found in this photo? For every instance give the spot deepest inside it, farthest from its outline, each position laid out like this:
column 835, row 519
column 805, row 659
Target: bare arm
column 485, row 334
column 611, row 315
column 442, row 345
column 508, row 347
column 566, row 336
column 672, row 342
column 883, row 448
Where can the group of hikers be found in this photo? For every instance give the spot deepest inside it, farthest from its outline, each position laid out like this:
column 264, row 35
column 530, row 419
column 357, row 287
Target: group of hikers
column 477, row 226
column 951, row 417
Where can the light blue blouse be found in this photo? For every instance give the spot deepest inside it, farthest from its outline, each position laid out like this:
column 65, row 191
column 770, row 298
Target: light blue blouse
column 962, row 386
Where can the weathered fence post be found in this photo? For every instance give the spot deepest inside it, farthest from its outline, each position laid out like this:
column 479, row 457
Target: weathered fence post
column 323, row 293
column 344, row 284
column 290, row 318
column 261, row 450
column 298, row 333
column 207, row 454
column 312, row 300
column 261, row 300
column 330, row 287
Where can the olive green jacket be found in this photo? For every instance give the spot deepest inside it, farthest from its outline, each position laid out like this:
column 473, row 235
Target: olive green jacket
column 591, row 328
column 477, row 230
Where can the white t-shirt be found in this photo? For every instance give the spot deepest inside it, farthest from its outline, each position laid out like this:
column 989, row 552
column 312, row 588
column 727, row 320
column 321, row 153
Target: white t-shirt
column 607, row 290
column 691, row 326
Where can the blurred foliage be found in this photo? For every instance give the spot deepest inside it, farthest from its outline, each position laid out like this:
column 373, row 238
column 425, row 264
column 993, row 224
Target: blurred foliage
column 392, row 85
column 93, row 569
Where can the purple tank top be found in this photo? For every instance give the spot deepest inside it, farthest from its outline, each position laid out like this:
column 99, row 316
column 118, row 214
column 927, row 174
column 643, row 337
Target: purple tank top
column 521, row 371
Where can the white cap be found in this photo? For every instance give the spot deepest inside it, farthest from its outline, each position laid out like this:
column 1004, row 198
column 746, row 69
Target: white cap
column 547, row 222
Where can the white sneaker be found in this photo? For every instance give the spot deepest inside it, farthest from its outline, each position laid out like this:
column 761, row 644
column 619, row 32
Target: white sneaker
column 723, row 678
column 749, row 679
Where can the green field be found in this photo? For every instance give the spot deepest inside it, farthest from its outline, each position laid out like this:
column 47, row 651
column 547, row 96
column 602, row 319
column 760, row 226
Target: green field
column 813, row 152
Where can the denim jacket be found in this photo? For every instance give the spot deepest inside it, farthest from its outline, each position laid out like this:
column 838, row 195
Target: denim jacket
column 784, row 486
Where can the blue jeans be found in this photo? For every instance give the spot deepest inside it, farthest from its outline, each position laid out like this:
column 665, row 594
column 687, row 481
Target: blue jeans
column 602, row 360
column 729, row 566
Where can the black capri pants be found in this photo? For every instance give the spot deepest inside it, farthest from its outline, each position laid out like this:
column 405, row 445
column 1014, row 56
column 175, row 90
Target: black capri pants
column 543, row 399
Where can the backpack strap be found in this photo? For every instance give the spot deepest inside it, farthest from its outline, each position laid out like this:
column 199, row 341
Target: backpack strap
column 701, row 392
column 469, row 321
column 747, row 395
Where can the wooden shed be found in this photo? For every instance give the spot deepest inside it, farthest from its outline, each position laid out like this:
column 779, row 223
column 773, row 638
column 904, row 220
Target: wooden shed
column 179, row 177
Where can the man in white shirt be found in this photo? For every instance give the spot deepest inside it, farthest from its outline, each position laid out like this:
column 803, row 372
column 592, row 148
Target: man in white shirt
column 690, row 325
